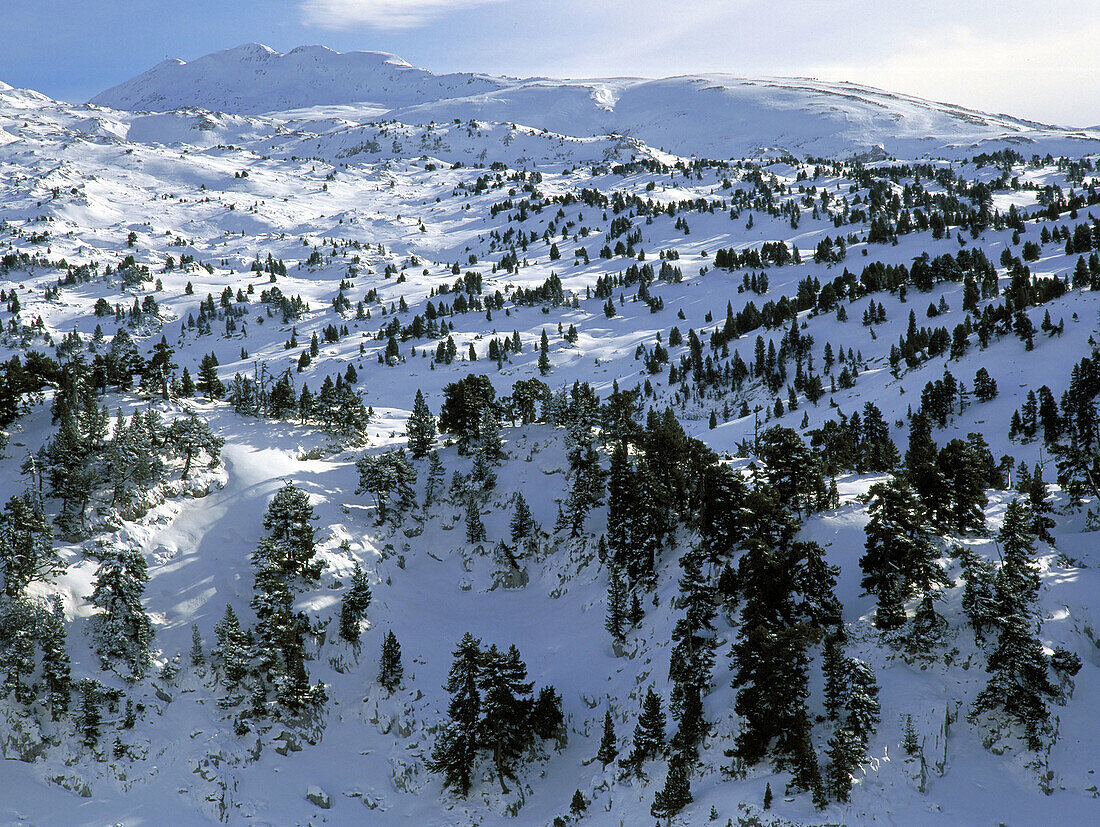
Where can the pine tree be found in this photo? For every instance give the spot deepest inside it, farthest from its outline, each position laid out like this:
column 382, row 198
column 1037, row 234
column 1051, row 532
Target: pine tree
column 768, row 796
column 649, row 734
column 390, row 670
column 676, row 794
column 900, row 558
column 844, row 753
column 26, row 546
column 122, row 631
column 434, row 484
column 198, row 657
column 455, row 751
column 56, row 667
column 616, row 606
column 578, row 805
column 229, row 652
column 420, row 427
column 978, row 599
column 522, row 525
column 547, row 719
column 1019, row 684
column 190, row 437
column 475, row 529
column 505, row 708
column 544, row 354
column 692, row 658
column 390, row 478
column 89, row 715
column 609, row 749
column 355, row 604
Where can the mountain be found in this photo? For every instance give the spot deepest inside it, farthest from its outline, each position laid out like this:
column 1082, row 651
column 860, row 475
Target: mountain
column 738, row 355
column 711, row 115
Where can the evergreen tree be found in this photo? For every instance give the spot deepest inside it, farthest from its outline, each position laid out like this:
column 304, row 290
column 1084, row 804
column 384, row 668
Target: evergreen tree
column 978, row 599
column 190, row 437
column 609, row 748
column 355, row 604
column 434, row 484
column 390, row 670
column 1019, row 685
column 900, row 558
column 198, row 656
column 390, row 478
column 89, row 715
column 475, row 529
column 122, row 631
column 616, row 606
column 544, row 354
column 578, row 804
column 649, row 734
column 676, row 794
column 26, row 546
column 455, row 751
column 56, row 667
column 522, row 525
column 229, row 652
column 420, row 428
column 692, row 658
column 505, row 709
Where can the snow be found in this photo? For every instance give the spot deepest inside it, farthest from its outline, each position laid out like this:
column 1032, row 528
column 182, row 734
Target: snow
column 713, row 115
column 327, row 168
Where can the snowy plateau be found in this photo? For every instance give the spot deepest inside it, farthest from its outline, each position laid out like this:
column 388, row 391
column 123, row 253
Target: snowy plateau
column 758, row 415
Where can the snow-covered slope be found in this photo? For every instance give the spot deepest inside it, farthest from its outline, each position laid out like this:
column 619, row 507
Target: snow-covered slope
column 715, row 116
column 390, row 215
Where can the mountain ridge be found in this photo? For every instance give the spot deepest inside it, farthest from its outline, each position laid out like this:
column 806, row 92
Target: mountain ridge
column 709, row 114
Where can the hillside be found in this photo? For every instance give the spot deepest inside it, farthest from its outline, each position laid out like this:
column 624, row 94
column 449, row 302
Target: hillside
column 729, row 348
column 713, row 116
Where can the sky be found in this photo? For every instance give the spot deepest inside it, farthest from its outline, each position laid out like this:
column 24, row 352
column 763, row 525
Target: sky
column 1020, row 57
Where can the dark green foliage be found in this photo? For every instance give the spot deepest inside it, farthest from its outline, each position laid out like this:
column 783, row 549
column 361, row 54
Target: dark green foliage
column 122, row 631
column 390, row 670
column 455, row 750
column 390, row 478
column 1019, row 686
column 609, row 748
column 676, row 794
column 355, row 604
column 649, row 734
column 190, row 437
column 420, row 428
column 26, row 546
column 900, row 557
column 463, row 404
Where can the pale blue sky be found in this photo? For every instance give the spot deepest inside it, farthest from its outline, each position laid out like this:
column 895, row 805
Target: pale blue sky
column 1028, row 59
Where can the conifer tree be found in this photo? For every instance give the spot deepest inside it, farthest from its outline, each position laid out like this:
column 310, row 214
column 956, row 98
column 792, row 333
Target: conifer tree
column 676, row 794
column 455, row 751
column 355, row 604
column 505, row 709
column 522, row 525
column 475, row 529
column 544, row 354
column 649, row 734
column 198, row 656
column 420, row 427
column 900, row 558
column 434, row 484
column 56, row 667
column 122, row 630
column 609, row 748
column 390, row 478
column 26, row 546
column 1019, row 685
column 616, row 606
column 190, row 437
column 390, row 670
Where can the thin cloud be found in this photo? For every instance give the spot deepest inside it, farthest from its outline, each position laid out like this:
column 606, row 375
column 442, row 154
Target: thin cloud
column 381, row 14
